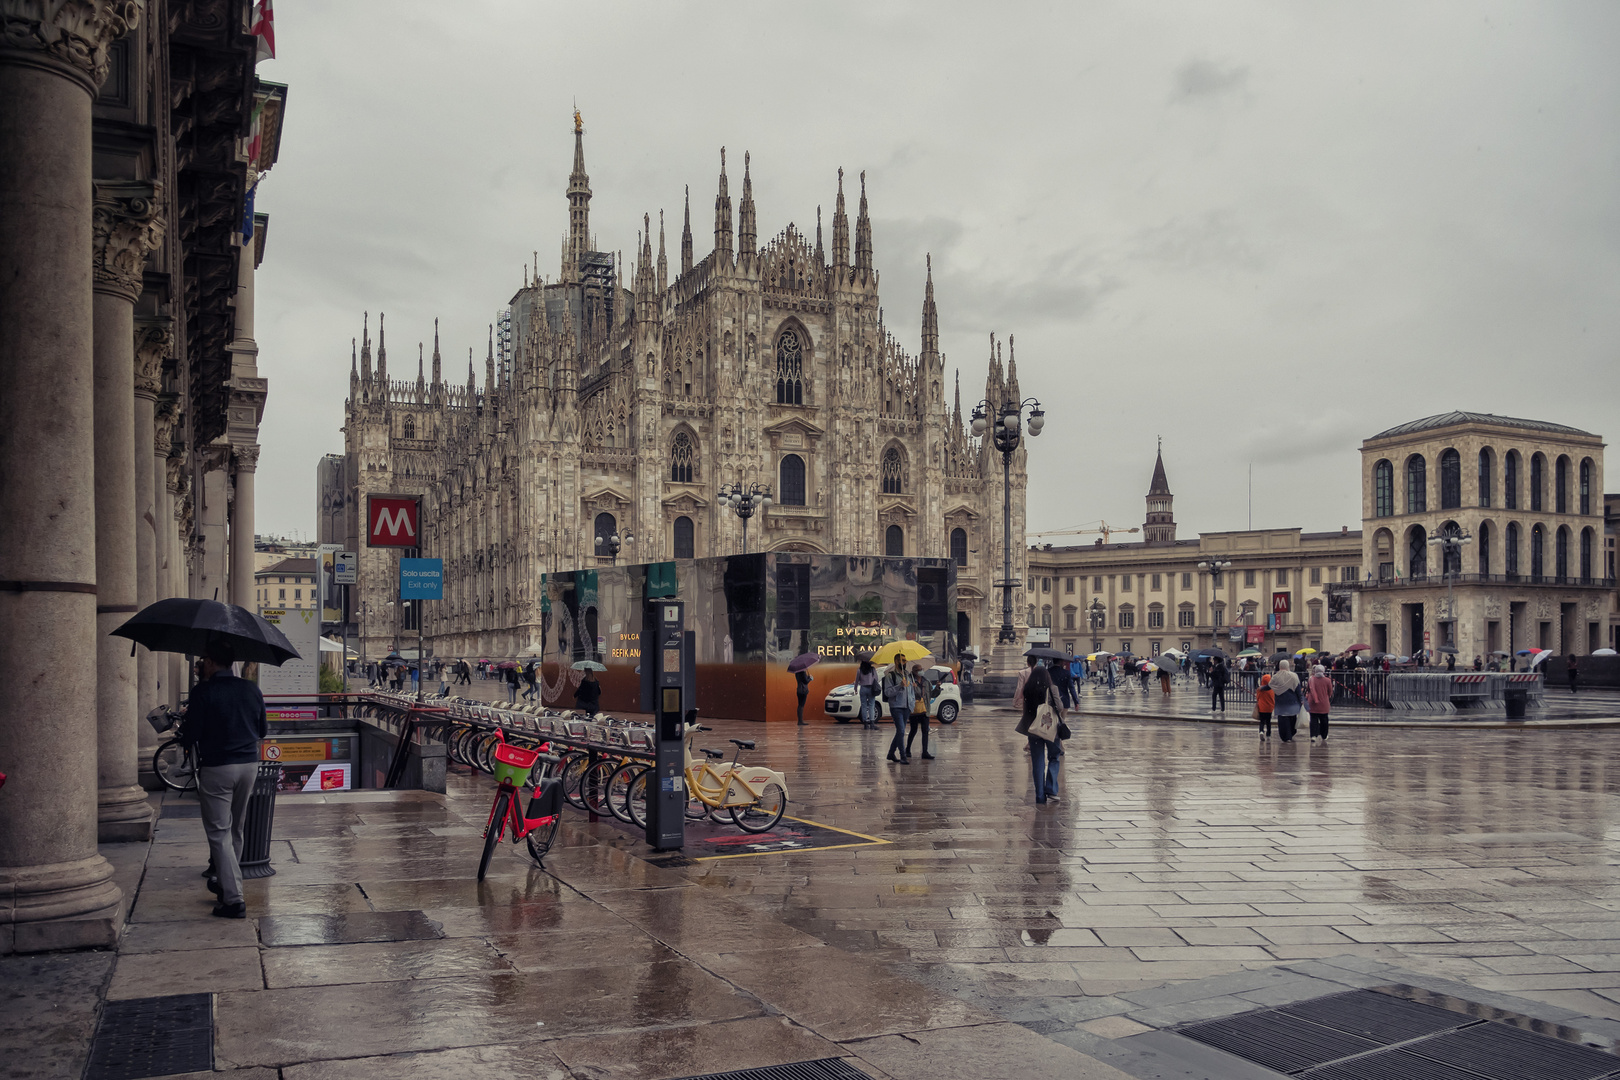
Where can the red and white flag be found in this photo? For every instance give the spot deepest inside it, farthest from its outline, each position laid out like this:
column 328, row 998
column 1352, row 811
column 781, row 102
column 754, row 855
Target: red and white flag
column 264, row 27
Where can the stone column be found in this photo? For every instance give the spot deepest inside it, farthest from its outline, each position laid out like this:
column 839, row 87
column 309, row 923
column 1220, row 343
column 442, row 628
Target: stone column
column 247, row 461
column 56, row 891
column 152, row 344
column 126, row 226
column 164, row 533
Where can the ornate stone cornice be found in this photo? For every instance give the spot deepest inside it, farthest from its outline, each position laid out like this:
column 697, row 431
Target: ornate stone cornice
column 154, row 340
column 126, row 225
column 68, row 36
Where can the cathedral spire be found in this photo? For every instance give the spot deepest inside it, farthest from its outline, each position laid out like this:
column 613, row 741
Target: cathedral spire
column 930, row 318
column 686, row 235
column 863, row 232
column 821, row 256
column 746, row 234
column 354, row 359
column 840, row 227
column 436, row 352
column 579, row 206
column 956, row 413
column 1012, row 372
column 722, row 217
column 382, row 354
column 1160, row 526
column 365, row 347
column 663, row 262
column 489, row 363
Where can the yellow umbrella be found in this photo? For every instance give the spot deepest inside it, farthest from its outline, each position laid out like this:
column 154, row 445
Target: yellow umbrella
column 1306, row 652
column 903, row 650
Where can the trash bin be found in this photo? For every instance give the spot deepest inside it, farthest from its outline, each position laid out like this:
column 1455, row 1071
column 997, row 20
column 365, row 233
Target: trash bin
column 261, row 819
column 1514, row 698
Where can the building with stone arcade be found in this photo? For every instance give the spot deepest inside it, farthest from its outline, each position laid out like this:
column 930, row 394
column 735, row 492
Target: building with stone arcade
column 133, row 135
column 624, row 408
column 1527, row 495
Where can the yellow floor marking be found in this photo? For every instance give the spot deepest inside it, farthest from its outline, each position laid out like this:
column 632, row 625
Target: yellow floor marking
column 866, row 841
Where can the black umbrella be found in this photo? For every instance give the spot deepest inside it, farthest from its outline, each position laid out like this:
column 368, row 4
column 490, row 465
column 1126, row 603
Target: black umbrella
column 1044, row 652
column 184, row 625
column 1167, row 663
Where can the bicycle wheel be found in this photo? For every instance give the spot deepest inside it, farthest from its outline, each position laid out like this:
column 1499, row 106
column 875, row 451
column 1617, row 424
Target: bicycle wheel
column 762, row 816
column 541, row 839
column 696, row 809
column 619, row 786
column 175, row 766
column 492, row 832
column 482, row 755
column 635, row 797
column 571, row 770
column 595, row 785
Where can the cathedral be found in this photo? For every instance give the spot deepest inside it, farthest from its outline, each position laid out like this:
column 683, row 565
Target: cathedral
column 611, row 417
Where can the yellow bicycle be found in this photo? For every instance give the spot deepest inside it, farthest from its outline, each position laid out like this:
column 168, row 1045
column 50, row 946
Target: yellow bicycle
column 755, row 797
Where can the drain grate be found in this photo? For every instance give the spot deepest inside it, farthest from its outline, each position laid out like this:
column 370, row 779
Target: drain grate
column 1506, row 1053
column 821, row 1069
column 1367, row 1035
column 155, row 1036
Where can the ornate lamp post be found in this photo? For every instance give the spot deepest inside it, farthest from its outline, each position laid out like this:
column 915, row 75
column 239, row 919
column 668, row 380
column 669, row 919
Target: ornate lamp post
column 1009, row 434
column 1214, row 568
column 1099, row 620
column 613, row 543
column 744, row 501
column 1451, row 543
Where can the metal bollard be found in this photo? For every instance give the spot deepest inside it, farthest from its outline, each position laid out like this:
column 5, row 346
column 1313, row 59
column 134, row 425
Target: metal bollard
column 261, row 819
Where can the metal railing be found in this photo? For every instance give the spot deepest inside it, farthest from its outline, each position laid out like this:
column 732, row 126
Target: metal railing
column 1431, row 580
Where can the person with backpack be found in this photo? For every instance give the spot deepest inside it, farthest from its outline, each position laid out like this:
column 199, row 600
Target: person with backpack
column 532, row 690
column 899, row 696
column 1290, row 699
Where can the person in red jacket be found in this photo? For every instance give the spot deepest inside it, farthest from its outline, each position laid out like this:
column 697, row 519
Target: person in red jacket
column 1265, row 700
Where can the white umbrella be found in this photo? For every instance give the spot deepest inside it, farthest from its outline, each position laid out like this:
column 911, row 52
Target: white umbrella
column 1603, row 652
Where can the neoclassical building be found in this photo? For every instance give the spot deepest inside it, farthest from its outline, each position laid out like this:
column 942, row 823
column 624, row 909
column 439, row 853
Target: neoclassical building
column 622, row 410
column 1526, row 496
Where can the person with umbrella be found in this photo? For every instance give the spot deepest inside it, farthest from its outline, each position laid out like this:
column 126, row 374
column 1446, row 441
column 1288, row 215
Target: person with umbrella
column 225, row 722
column 588, row 695
column 919, row 711
column 900, row 697
column 801, row 677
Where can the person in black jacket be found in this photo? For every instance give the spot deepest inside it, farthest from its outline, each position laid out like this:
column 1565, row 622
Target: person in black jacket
column 1217, row 685
column 225, row 722
column 588, row 697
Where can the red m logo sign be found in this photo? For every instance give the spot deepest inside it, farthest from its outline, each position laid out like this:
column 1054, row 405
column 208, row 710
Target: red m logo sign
column 392, row 521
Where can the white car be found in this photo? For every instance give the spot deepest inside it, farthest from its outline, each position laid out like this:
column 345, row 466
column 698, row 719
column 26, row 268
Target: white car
column 944, row 703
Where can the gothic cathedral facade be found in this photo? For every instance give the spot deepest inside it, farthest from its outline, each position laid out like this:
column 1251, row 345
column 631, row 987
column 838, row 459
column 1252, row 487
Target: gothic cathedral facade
column 620, row 412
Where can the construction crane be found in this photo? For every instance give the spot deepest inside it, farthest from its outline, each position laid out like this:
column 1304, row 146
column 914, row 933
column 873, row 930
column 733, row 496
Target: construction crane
column 1103, row 528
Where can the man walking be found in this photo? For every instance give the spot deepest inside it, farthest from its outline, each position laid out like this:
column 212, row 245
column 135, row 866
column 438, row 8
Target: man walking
column 225, row 722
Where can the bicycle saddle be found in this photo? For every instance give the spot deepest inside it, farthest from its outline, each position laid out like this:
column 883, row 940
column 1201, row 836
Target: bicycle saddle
column 746, row 744
column 715, row 754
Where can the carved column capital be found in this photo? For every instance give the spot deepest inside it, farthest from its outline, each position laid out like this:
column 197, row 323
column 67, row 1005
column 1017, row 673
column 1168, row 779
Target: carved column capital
column 70, row 37
column 247, row 459
column 164, row 416
column 126, row 224
column 154, row 340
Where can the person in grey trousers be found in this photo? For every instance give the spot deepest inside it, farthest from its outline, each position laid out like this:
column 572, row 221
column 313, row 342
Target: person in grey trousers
column 225, row 722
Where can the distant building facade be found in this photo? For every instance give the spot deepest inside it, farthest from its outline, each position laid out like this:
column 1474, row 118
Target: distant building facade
column 1285, row 588
column 288, row 584
column 612, row 411
column 1525, row 497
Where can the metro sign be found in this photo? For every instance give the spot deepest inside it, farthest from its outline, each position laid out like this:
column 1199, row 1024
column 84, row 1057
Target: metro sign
column 393, row 521
column 1281, row 603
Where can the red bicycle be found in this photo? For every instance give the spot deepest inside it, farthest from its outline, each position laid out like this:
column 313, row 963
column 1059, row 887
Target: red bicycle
column 538, row 825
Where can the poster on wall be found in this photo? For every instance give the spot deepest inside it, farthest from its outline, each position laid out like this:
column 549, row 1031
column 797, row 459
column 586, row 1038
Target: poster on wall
column 299, row 675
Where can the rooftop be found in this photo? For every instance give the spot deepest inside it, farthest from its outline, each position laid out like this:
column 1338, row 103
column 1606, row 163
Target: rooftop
column 1455, row 417
column 290, row 566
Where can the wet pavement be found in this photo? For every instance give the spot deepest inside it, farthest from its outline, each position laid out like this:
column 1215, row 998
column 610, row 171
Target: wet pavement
column 1186, row 867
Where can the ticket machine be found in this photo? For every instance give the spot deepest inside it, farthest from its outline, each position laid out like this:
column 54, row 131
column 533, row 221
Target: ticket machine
column 664, row 629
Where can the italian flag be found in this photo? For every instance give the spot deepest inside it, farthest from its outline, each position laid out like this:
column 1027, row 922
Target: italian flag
column 264, row 28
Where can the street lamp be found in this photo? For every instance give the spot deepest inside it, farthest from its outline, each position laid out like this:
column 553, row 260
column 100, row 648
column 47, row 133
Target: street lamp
column 1099, row 619
column 1214, row 568
column 1451, row 543
column 744, row 501
column 1009, row 423
column 613, row 543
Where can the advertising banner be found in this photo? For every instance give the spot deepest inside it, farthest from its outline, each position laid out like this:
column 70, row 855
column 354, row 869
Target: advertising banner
column 299, row 675
column 1256, row 635
column 331, row 593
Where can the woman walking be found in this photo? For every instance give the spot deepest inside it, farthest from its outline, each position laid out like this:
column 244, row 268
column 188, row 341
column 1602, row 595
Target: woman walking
column 1318, row 696
column 1038, row 690
column 897, row 694
column 1285, row 684
column 1265, row 700
column 803, row 679
column 866, row 683
column 919, row 712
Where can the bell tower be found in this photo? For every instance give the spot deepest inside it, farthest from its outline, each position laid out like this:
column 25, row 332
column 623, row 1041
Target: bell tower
column 1160, row 526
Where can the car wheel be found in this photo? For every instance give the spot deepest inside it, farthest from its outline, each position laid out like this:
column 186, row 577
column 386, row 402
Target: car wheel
column 947, row 712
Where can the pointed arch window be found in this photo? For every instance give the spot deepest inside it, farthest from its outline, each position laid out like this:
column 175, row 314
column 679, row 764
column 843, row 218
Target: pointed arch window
column 682, row 453
column 789, row 369
column 410, row 427
column 894, row 472
column 959, row 548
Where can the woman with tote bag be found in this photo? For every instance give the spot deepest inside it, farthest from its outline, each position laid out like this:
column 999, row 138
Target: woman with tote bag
column 1040, row 694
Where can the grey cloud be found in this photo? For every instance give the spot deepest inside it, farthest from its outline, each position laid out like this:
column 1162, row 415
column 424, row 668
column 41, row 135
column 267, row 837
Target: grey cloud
column 1201, row 79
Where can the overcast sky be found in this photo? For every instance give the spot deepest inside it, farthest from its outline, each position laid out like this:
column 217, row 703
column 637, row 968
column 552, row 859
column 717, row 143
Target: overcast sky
column 1264, row 231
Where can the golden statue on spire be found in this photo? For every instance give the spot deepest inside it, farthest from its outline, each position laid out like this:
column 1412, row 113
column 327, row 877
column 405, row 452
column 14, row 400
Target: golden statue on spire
column 579, row 124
